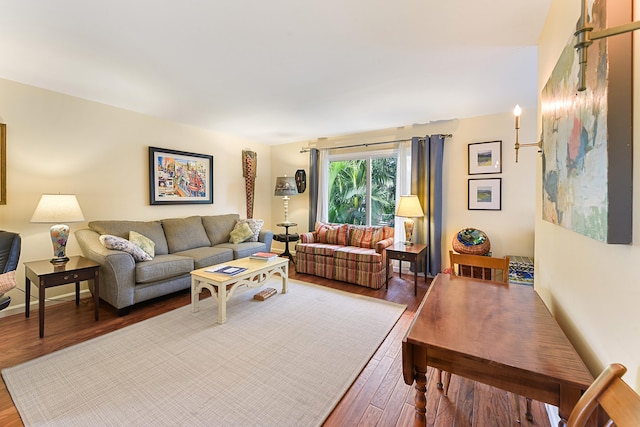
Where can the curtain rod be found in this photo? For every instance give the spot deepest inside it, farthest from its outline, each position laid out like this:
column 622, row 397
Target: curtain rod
column 367, row 144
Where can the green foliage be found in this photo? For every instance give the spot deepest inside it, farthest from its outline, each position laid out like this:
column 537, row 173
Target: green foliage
column 348, row 191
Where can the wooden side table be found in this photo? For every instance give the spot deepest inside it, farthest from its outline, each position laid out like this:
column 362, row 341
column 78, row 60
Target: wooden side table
column 402, row 252
column 47, row 275
column 286, row 238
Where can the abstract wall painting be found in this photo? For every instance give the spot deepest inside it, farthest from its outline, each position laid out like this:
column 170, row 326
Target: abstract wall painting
column 587, row 136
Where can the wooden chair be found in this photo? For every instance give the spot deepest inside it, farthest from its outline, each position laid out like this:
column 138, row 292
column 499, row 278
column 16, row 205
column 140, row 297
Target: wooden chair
column 479, row 266
column 483, row 268
column 620, row 402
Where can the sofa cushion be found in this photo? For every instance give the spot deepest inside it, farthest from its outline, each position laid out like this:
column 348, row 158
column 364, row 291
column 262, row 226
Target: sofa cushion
column 322, row 249
column 185, row 233
column 332, row 234
column 241, row 233
column 218, row 227
column 163, row 267
column 207, row 256
column 244, row 249
column 367, row 236
column 354, row 253
column 254, row 224
column 151, row 229
column 120, row 244
column 143, row 242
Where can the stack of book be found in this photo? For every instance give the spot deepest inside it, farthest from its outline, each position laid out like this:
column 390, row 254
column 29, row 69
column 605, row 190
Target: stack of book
column 226, row 269
column 264, row 256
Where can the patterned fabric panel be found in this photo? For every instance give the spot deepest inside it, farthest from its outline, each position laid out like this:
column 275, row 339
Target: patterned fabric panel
column 370, row 275
column 361, row 255
column 383, row 244
column 317, row 265
column 334, row 234
column 317, row 248
column 308, row 237
column 364, row 237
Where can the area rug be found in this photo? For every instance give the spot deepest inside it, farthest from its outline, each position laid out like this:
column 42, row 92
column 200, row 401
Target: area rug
column 284, row 361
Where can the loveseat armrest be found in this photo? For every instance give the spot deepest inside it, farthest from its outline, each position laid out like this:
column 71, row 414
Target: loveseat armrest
column 117, row 269
column 383, row 244
column 309, row 237
column 266, row 237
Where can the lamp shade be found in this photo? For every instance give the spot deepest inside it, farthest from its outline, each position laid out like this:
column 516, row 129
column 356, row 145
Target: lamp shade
column 57, row 208
column 409, row 206
column 285, row 186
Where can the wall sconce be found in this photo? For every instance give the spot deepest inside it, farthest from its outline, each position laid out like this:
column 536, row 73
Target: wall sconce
column 586, row 35
column 517, row 112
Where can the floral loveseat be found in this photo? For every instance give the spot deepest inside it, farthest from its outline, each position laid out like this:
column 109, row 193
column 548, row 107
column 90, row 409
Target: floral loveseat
column 349, row 253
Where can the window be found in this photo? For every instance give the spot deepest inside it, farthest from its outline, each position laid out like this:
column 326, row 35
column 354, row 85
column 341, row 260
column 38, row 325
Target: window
column 362, row 188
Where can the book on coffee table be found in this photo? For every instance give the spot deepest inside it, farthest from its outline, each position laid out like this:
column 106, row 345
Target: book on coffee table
column 226, row 269
column 264, row 256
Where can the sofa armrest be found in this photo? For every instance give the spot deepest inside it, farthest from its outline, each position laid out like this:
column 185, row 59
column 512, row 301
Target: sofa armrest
column 266, row 237
column 117, row 269
column 309, row 237
column 383, row 244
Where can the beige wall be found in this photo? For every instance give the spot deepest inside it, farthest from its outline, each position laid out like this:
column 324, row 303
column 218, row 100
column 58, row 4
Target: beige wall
column 62, row 144
column 511, row 230
column 592, row 288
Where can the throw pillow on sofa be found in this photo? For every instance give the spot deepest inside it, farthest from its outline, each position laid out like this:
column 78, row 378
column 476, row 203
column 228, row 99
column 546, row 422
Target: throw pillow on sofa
column 333, row 234
column 241, row 233
column 120, row 244
column 254, row 224
column 143, row 242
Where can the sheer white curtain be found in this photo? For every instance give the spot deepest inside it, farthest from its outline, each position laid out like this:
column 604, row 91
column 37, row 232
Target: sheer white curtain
column 403, row 184
column 323, row 186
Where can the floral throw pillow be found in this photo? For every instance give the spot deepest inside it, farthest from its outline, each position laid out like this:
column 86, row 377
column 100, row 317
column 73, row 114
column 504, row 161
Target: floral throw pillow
column 120, row 244
column 7, row 281
column 143, row 242
column 254, row 224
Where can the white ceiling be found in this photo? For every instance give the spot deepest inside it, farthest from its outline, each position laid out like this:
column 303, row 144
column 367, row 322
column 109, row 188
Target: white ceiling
column 279, row 71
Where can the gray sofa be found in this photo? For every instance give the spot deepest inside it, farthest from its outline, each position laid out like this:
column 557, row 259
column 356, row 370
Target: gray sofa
column 181, row 245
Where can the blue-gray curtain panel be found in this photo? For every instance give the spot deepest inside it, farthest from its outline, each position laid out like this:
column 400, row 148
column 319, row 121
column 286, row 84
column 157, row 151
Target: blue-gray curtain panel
column 426, row 182
column 313, row 187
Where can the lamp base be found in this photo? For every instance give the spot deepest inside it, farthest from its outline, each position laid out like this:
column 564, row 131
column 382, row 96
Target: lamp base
column 408, row 231
column 59, row 237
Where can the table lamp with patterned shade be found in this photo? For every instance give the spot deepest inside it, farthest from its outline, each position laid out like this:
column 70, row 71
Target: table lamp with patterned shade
column 285, row 187
column 409, row 207
column 58, row 208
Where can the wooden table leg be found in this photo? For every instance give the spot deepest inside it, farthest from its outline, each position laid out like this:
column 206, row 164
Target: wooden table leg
column 420, row 376
column 415, row 277
column 96, row 295
column 27, row 290
column 386, row 281
column 41, row 306
column 77, row 293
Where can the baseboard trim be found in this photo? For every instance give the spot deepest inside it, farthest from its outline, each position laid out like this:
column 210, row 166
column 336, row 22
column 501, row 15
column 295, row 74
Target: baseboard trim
column 58, row 299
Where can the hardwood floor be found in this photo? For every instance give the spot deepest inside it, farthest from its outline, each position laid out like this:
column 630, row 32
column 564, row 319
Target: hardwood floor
column 379, row 397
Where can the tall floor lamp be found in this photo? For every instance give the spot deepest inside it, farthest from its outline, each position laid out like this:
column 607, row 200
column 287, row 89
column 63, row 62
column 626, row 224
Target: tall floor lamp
column 409, row 207
column 285, row 187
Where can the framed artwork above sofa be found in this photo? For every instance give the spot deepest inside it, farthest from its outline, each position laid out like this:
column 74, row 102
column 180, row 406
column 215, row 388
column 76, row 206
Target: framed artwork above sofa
column 179, row 177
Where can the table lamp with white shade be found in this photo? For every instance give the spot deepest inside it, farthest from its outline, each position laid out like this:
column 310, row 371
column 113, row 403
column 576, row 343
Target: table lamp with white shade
column 409, row 207
column 58, row 209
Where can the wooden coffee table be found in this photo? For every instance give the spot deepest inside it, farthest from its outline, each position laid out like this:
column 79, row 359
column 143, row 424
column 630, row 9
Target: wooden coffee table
column 222, row 286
